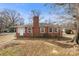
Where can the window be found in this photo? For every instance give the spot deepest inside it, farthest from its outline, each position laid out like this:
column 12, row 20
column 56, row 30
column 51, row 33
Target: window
column 50, row 30
column 29, row 30
column 42, row 30
column 55, row 30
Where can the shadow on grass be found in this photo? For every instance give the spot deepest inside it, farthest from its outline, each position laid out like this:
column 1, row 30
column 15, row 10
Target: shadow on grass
column 63, row 45
column 54, row 40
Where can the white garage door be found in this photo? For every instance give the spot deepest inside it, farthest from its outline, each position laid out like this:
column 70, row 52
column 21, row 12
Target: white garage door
column 21, row 31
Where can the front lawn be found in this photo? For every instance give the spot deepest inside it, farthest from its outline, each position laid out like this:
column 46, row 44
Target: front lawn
column 37, row 48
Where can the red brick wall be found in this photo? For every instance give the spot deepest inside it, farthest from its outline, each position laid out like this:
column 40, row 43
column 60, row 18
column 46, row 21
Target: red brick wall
column 46, row 29
column 36, row 29
column 26, row 34
column 59, row 33
column 36, row 32
column 17, row 34
column 36, row 21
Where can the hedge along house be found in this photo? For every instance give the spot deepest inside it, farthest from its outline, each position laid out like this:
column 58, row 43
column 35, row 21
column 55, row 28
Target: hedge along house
column 38, row 29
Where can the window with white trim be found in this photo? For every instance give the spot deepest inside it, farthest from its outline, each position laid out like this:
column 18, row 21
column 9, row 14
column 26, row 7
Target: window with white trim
column 55, row 30
column 50, row 29
column 42, row 30
column 29, row 30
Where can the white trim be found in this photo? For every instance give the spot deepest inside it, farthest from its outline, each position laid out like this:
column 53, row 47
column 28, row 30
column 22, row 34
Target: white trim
column 49, row 30
column 41, row 29
column 21, row 31
column 56, row 30
column 29, row 30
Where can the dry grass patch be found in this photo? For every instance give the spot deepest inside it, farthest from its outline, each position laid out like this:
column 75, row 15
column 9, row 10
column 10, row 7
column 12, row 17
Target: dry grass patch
column 32, row 48
column 38, row 47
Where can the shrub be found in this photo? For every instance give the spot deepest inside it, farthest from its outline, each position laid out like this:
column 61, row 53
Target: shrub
column 46, row 35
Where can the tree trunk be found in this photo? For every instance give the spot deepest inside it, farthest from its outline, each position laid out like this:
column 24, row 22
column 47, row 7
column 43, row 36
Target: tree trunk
column 76, row 38
column 77, row 33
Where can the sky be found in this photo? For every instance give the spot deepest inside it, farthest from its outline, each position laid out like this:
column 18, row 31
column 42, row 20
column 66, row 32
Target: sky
column 25, row 10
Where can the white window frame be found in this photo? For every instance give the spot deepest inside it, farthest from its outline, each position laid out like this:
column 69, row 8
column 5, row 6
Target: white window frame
column 29, row 30
column 56, row 30
column 41, row 29
column 49, row 30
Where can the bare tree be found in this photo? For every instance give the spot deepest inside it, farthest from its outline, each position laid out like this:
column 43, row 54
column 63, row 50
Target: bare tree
column 33, row 13
column 73, row 10
column 36, row 12
column 10, row 18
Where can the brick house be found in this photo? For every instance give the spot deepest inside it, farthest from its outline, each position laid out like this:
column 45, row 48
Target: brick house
column 38, row 29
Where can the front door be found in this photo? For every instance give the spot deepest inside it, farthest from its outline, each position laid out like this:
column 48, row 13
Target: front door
column 21, row 31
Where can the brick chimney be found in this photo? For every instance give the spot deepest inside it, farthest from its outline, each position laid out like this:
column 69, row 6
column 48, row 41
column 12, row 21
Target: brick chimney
column 36, row 21
column 36, row 29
